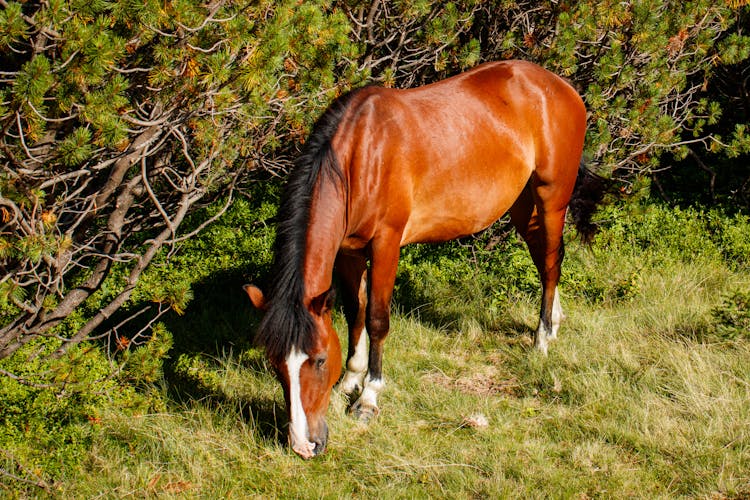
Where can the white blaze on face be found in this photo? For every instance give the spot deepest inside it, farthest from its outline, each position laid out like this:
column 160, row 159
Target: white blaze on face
column 298, row 429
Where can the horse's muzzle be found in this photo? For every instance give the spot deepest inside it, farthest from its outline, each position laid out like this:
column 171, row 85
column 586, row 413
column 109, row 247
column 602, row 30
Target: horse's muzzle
column 308, row 449
column 322, row 440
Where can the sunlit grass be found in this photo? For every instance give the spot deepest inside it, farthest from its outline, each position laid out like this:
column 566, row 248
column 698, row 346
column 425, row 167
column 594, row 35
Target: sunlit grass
column 636, row 399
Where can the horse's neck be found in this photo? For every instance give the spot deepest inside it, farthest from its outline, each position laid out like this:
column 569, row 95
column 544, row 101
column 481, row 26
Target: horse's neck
column 325, row 232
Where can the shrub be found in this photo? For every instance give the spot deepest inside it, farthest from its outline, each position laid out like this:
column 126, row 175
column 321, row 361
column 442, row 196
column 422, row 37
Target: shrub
column 120, row 119
column 732, row 316
column 52, row 408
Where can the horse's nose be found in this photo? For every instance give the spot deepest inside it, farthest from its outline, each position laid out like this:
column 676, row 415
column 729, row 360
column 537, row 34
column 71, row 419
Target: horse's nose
column 322, row 440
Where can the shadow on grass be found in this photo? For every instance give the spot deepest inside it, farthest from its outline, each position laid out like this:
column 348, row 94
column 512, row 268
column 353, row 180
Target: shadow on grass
column 220, row 320
column 219, row 324
column 220, row 317
column 451, row 318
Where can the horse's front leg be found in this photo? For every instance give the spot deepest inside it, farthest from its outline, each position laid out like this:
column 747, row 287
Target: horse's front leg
column 351, row 270
column 382, row 276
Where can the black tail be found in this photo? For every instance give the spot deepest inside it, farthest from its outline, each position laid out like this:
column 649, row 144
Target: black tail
column 588, row 195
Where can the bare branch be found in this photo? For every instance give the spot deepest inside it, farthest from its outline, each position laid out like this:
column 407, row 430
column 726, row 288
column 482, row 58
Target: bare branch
column 135, row 273
column 152, row 195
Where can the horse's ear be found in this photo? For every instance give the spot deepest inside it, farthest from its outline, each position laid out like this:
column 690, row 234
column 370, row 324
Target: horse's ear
column 323, row 302
column 256, row 297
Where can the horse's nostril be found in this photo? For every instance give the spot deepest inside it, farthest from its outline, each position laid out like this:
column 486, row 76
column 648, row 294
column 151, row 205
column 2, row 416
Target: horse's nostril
column 320, row 443
column 320, row 447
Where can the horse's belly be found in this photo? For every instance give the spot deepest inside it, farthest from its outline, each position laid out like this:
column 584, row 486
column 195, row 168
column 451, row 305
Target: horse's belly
column 456, row 217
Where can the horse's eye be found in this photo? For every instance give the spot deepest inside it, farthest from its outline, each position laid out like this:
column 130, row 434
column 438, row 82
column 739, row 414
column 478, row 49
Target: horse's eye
column 319, row 362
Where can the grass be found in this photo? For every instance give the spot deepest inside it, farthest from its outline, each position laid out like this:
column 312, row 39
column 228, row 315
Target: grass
column 637, row 399
column 645, row 395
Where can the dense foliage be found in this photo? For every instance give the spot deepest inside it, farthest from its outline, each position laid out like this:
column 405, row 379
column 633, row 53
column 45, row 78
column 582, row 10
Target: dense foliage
column 642, row 67
column 120, row 119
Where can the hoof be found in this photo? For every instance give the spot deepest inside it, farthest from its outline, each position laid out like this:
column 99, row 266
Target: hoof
column 541, row 345
column 542, row 340
column 363, row 413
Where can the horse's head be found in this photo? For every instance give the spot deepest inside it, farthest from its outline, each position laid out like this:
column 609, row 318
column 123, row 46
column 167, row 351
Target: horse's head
column 307, row 376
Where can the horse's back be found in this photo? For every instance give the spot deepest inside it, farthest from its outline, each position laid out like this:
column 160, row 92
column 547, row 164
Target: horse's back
column 447, row 159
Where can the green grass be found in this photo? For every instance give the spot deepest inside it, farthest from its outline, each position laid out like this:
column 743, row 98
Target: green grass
column 645, row 395
column 637, row 399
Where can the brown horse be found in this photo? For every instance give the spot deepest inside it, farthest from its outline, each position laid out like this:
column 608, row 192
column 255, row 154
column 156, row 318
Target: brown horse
column 384, row 168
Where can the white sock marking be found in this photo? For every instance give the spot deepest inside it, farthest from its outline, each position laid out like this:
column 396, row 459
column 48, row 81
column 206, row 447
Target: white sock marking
column 557, row 315
column 372, row 388
column 356, row 366
column 542, row 335
column 541, row 338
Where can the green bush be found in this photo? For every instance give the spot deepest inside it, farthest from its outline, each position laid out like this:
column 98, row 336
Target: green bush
column 663, row 232
column 732, row 316
column 731, row 234
column 469, row 278
column 51, row 408
column 121, row 120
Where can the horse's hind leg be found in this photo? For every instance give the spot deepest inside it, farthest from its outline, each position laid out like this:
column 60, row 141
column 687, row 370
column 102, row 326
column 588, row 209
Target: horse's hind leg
column 541, row 226
column 351, row 270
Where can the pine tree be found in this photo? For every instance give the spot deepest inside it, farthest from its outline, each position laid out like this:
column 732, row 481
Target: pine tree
column 120, row 118
column 643, row 67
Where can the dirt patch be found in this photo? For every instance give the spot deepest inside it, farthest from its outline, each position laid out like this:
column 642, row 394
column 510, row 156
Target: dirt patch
column 485, row 383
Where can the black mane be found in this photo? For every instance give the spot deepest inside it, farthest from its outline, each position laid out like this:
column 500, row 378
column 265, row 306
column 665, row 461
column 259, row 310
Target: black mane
column 287, row 324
